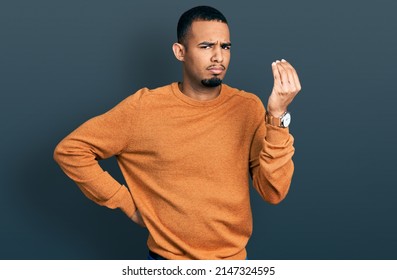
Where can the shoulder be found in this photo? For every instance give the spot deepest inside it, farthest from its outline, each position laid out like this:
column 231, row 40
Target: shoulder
column 145, row 94
column 244, row 97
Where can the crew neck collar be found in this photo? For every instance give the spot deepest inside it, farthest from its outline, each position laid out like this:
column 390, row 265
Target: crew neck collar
column 207, row 103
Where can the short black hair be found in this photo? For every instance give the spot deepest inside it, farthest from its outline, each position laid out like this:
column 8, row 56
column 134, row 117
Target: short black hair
column 199, row 13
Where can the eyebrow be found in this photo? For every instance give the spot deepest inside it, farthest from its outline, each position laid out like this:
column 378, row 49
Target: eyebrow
column 226, row 44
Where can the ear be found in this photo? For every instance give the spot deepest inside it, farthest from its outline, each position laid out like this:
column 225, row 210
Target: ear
column 179, row 51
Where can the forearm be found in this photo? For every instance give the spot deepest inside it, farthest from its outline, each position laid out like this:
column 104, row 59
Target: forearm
column 79, row 163
column 273, row 174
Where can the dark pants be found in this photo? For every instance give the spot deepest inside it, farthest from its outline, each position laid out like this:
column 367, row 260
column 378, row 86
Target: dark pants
column 154, row 256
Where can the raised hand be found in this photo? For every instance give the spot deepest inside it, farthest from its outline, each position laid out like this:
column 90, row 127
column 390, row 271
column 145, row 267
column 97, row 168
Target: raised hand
column 286, row 87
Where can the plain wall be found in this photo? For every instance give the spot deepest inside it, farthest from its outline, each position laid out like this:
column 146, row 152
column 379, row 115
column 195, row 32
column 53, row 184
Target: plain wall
column 63, row 62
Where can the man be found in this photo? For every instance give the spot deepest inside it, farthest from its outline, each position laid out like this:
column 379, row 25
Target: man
column 186, row 149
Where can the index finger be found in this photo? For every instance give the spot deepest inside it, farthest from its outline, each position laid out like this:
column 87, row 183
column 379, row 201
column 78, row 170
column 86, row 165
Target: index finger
column 276, row 74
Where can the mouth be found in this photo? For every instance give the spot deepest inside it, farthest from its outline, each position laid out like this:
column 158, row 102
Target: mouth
column 216, row 70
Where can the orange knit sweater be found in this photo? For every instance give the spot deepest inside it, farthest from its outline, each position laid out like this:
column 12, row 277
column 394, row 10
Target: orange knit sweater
column 186, row 164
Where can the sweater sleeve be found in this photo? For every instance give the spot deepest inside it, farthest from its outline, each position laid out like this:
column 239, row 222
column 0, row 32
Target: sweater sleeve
column 271, row 165
column 99, row 138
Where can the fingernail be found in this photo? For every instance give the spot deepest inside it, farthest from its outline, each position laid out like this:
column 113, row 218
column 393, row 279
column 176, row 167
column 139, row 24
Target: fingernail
column 277, row 61
column 283, row 60
column 274, row 63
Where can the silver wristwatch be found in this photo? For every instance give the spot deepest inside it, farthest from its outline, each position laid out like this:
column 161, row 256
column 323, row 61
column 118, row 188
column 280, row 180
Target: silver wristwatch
column 283, row 121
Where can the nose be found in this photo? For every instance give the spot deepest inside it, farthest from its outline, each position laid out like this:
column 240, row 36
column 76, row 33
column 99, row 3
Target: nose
column 217, row 55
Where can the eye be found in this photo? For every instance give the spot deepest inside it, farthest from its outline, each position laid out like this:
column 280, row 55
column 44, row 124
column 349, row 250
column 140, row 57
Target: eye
column 205, row 46
column 226, row 47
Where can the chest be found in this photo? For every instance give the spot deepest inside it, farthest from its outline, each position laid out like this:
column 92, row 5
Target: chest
column 195, row 139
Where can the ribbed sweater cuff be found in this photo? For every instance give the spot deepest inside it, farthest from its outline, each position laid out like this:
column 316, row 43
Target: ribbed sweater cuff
column 106, row 191
column 276, row 135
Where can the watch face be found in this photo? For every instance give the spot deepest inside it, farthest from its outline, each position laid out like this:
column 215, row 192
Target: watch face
column 286, row 120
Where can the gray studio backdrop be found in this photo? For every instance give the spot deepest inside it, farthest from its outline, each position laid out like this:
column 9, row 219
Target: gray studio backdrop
column 63, row 62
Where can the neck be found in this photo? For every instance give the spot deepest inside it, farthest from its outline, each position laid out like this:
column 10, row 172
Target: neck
column 201, row 93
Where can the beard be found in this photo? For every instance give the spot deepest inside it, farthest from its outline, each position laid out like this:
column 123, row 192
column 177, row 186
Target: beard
column 213, row 82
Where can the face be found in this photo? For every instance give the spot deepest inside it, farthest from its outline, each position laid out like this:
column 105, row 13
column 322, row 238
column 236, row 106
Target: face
column 206, row 53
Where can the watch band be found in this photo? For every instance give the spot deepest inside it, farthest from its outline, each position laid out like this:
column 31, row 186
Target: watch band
column 272, row 120
column 269, row 119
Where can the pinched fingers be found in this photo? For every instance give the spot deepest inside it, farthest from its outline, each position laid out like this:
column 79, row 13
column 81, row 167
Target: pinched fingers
column 286, row 86
column 286, row 80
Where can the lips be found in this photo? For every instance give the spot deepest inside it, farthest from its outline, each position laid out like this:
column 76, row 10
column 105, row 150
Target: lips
column 216, row 70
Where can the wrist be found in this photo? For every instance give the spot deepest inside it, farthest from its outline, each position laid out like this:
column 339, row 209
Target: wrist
column 276, row 113
column 282, row 121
